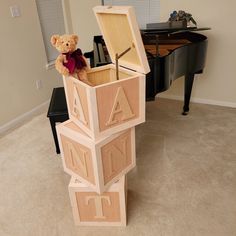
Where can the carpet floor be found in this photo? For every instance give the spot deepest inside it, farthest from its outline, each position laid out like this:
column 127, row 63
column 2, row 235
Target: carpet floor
column 184, row 183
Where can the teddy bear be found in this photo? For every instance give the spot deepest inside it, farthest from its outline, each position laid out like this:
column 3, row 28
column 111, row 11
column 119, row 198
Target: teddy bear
column 71, row 60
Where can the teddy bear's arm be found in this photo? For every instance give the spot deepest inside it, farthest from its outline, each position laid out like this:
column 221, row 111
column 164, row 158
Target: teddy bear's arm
column 59, row 65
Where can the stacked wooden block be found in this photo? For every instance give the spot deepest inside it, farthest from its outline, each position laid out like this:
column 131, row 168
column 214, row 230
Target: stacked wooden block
column 98, row 141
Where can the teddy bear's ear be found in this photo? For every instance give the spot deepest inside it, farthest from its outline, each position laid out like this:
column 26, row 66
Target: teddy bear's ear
column 54, row 39
column 75, row 38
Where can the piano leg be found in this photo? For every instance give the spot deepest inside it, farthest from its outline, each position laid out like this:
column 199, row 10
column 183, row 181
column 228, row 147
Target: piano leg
column 187, row 92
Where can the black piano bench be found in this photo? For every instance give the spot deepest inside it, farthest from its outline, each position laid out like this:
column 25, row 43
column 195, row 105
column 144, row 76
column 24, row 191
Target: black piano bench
column 57, row 112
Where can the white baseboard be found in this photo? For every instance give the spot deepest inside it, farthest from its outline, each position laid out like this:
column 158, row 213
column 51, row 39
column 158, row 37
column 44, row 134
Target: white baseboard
column 200, row 100
column 20, row 119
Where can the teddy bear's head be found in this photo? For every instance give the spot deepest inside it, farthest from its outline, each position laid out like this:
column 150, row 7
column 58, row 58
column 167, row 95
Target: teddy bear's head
column 65, row 43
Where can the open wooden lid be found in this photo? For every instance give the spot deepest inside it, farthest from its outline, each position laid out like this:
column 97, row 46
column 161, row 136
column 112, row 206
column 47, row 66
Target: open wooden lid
column 120, row 31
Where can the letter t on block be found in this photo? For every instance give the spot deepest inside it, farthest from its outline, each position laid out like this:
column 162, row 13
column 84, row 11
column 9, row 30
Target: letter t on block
column 98, row 204
column 92, row 209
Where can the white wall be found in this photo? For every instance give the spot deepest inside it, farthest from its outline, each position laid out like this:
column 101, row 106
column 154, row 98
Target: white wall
column 84, row 23
column 22, row 62
column 218, row 82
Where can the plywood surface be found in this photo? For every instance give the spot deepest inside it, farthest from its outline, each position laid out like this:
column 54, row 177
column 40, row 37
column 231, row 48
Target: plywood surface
column 116, row 156
column 93, row 207
column 78, row 158
column 120, row 31
column 77, row 100
column 105, row 76
column 106, row 100
column 72, row 126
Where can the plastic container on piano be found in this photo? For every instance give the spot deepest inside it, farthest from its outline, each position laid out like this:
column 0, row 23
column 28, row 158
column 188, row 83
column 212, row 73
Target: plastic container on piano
column 114, row 103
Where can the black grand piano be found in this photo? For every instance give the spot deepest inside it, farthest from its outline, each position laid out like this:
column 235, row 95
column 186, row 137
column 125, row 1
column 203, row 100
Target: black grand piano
column 171, row 52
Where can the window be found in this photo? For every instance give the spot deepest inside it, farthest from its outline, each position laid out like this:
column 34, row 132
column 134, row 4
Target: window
column 51, row 19
column 147, row 11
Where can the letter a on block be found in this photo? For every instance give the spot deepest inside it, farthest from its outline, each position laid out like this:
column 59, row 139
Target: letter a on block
column 98, row 205
column 120, row 106
column 77, row 108
column 78, row 159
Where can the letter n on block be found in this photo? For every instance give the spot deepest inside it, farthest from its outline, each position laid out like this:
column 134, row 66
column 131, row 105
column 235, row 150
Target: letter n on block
column 98, row 164
column 78, row 159
column 92, row 209
column 117, row 156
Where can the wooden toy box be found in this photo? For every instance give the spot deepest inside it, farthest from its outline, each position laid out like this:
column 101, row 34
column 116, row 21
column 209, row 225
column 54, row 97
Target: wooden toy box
column 99, row 163
column 117, row 99
column 92, row 209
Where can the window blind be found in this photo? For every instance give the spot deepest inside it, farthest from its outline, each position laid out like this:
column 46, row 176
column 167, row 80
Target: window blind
column 147, row 11
column 51, row 19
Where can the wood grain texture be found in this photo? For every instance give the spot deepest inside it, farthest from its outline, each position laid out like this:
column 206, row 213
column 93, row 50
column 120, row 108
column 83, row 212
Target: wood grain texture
column 98, row 164
column 116, row 156
column 109, row 107
column 112, row 105
column 78, row 158
column 106, row 100
column 92, row 209
column 76, row 94
column 120, row 31
column 98, row 208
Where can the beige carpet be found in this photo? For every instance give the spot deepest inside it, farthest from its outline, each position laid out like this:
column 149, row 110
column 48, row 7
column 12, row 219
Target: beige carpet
column 184, row 183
